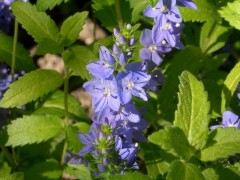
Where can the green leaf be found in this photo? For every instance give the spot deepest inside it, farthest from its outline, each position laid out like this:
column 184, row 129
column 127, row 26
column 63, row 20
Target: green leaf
column 38, row 24
column 49, row 46
column 231, row 14
column 105, row 11
column 213, row 37
column 207, row 11
column 72, row 26
column 222, row 143
column 193, row 108
column 173, row 140
column 157, row 161
column 79, row 171
column 76, row 58
column 129, row 176
column 74, row 144
column 43, row 5
column 56, row 100
column 30, row 87
column 23, row 59
column 229, row 86
column 137, row 9
column 190, row 59
column 5, row 170
column 16, row 176
column 210, row 174
column 49, row 169
column 180, row 170
column 33, row 129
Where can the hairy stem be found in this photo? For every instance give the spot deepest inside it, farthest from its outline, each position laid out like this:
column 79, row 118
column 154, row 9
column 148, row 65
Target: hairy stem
column 66, row 118
column 14, row 49
column 119, row 14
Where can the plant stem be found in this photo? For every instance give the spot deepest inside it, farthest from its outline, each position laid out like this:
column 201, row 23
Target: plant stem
column 66, row 121
column 118, row 11
column 14, row 49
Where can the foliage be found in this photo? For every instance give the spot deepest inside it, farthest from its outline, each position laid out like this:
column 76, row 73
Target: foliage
column 46, row 132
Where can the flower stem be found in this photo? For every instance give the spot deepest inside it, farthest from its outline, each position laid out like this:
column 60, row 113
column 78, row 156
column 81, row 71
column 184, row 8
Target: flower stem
column 119, row 14
column 14, row 49
column 66, row 121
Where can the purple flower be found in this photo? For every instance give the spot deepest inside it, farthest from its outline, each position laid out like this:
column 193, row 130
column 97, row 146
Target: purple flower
column 103, row 67
column 132, row 83
column 229, row 119
column 156, row 78
column 187, row 3
column 152, row 51
column 166, row 9
column 104, row 92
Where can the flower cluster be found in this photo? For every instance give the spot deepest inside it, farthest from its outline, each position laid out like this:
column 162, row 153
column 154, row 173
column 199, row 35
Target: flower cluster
column 165, row 34
column 117, row 124
column 6, row 14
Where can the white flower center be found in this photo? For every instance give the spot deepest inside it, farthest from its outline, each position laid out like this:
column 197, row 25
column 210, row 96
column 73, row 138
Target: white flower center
column 164, row 42
column 168, row 26
column 152, row 48
column 106, row 92
column 177, row 25
column 164, row 9
column 130, row 84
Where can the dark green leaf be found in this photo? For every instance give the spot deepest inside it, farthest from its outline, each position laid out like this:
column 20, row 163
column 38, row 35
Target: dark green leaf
column 157, row 161
column 56, row 100
column 193, row 108
column 190, row 59
column 49, row 169
column 76, row 58
column 38, row 24
column 105, row 11
column 43, row 5
column 180, row 170
column 213, row 37
column 23, row 59
column 229, row 86
column 49, row 46
column 173, row 140
column 207, row 10
column 33, row 129
column 30, row 87
column 129, row 176
column 74, row 144
column 231, row 14
column 72, row 26
column 79, row 171
column 222, row 143
column 137, row 9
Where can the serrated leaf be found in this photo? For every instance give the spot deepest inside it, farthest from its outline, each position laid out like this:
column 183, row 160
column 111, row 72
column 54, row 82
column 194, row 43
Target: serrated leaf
column 79, row 171
column 43, row 5
column 15, row 176
column 157, row 161
column 74, row 144
column 207, row 10
column 49, row 46
column 49, row 169
column 105, row 11
column 38, row 24
column 30, row 87
column 23, row 59
column 190, row 59
column 56, row 100
column 231, row 13
column 33, row 129
column 192, row 114
column 76, row 58
column 229, row 86
column 72, row 26
column 5, row 170
column 129, row 176
column 222, row 143
column 180, row 170
column 173, row 140
column 213, row 37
